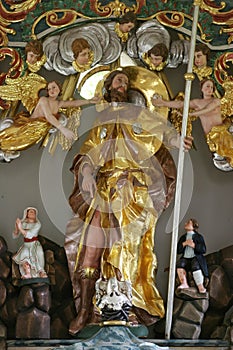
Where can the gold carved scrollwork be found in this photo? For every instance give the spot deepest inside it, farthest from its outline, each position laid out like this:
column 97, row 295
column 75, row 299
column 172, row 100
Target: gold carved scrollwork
column 221, row 74
column 16, row 64
column 117, row 8
column 221, row 66
column 220, row 18
column 4, row 31
column 171, row 18
column 25, row 5
column 53, row 20
column 17, row 14
column 211, row 6
column 176, row 20
column 16, row 67
column 226, row 101
column 229, row 31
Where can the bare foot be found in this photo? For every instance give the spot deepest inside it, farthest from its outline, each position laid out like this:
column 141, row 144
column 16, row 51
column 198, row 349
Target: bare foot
column 78, row 323
column 43, row 274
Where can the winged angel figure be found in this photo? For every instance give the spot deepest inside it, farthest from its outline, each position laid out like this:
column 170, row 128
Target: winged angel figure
column 217, row 122
column 215, row 115
column 42, row 117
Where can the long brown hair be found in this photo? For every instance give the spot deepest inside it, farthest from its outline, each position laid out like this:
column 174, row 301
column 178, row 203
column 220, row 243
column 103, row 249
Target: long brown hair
column 108, row 83
column 203, row 81
column 57, row 83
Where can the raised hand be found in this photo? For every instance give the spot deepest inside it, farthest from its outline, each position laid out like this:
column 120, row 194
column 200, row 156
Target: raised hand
column 95, row 99
column 188, row 142
column 67, row 133
column 157, row 100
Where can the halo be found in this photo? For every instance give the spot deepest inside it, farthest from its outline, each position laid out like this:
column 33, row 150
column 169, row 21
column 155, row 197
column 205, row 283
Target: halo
column 144, row 81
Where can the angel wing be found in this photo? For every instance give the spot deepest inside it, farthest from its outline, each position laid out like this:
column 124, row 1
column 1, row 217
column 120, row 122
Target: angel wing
column 58, row 48
column 176, row 118
column 147, row 35
column 26, row 89
column 226, row 100
column 69, row 117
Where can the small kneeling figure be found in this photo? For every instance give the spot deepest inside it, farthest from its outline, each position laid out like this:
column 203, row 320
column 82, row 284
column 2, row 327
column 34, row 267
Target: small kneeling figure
column 30, row 256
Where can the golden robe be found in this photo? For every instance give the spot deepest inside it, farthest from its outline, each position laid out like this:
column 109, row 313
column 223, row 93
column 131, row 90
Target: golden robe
column 135, row 177
column 220, row 140
column 23, row 133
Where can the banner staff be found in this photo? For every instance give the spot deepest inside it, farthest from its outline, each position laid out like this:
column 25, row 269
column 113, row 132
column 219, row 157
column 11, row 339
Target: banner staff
column 189, row 77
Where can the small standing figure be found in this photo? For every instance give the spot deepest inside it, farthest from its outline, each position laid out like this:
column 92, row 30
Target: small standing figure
column 30, row 256
column 192, row 247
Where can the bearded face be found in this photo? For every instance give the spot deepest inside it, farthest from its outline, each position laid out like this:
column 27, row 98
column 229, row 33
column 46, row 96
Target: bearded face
column 116, row 86
column 118, row 96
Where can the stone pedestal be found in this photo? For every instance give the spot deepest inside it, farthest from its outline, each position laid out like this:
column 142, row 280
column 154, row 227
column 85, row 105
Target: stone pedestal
column 189, row 310
column 33, row 320
column 3, row 336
